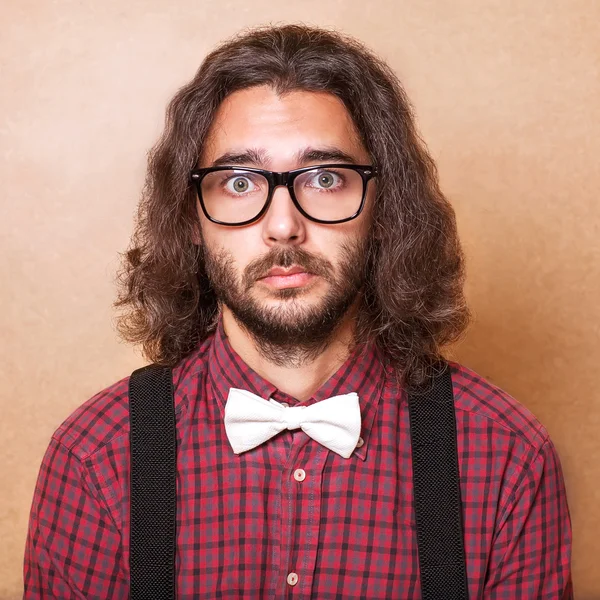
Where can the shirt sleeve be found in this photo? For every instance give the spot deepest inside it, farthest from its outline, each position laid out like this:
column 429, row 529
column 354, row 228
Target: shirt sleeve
column 73, row 548
column 531, row 554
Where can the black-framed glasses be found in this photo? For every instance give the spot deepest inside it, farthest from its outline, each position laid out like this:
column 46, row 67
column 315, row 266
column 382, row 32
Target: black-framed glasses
column 330, row 193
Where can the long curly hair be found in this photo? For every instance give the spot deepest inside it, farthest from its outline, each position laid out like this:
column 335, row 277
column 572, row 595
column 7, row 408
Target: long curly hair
column 412, row 303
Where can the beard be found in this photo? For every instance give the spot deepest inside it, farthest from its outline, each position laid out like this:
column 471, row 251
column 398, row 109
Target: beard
column 291, row 332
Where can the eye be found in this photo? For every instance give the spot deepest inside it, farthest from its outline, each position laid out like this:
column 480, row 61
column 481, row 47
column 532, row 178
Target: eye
column 239, row 184
column 325, row 180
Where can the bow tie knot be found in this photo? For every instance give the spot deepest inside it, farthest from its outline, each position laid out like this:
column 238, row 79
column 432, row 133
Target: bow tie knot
column 251, row 420
column 293, row 416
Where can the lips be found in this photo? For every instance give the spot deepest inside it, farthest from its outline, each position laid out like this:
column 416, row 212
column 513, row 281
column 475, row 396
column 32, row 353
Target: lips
column 280, row 278
column 281, row 272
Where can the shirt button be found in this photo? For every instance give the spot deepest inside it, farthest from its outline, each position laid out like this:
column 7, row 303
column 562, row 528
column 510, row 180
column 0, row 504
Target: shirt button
column 299, row 475
column 284, row 404
column 292, row 578
column 360, row 443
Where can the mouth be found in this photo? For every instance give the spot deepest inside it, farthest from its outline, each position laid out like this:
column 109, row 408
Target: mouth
column 281, row 278
column 281, row 272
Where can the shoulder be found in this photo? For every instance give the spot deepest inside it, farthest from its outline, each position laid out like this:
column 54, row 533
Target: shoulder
column 501, row 438
column 484, row 403
column 104, row 418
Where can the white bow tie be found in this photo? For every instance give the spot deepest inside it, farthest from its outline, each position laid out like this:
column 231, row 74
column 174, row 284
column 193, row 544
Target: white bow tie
column 251, row 420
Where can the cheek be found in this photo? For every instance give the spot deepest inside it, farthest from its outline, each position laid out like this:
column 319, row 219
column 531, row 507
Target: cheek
column 232, row 245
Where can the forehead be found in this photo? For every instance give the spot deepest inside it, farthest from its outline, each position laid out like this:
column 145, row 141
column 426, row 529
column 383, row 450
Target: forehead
column 260, row 118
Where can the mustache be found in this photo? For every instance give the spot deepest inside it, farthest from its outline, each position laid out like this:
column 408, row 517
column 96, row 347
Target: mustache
column 285, row 258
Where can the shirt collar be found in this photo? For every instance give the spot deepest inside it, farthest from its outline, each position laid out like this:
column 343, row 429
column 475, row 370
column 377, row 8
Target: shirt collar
column 363, row 372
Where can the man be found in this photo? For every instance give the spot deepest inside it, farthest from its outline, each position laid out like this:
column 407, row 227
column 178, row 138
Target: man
column 293, row 243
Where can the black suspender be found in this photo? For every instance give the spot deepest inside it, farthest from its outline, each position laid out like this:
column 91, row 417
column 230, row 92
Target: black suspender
column 153, row 498
column 153, row 488
column 437, row 492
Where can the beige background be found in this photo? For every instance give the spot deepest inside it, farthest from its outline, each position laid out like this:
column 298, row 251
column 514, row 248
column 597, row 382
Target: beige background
column 508, row 98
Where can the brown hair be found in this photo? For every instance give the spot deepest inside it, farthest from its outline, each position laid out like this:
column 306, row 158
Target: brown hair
column 413, row 301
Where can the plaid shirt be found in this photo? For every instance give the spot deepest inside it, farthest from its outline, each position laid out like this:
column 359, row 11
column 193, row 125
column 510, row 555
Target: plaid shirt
column 247, row 527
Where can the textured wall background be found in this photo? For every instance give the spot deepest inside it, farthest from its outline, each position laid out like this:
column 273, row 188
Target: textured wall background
column 508, row 98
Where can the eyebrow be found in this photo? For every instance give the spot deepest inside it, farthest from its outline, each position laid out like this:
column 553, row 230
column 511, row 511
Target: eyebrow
column 257, row 158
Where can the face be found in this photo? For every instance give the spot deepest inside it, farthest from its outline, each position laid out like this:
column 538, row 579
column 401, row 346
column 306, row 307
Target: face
column 249, row 266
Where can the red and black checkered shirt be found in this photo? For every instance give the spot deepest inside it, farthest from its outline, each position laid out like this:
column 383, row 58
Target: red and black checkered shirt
column 247, row 528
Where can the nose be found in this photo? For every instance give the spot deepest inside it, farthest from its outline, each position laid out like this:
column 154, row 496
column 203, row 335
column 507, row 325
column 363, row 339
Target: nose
column 283, row 223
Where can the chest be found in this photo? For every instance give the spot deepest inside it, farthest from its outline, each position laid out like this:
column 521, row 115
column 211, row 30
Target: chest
column 293, row 519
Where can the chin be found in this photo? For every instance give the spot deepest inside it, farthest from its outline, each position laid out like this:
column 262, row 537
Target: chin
column 287, row 296
column 305, row 291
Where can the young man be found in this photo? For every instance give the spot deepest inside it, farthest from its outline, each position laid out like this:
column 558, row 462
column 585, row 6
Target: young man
column 293, row 247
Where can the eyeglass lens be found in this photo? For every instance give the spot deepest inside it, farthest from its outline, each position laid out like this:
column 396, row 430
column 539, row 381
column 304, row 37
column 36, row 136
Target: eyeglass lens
column 328, row 194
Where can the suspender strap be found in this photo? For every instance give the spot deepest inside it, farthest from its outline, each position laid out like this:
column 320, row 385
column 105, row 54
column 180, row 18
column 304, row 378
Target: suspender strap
column 437, row 492
column 153, row 498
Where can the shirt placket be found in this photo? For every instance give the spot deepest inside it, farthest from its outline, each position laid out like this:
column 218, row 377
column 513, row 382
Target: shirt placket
column 300, row 516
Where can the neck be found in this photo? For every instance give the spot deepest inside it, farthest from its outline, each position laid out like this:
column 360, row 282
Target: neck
column 299, row 381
